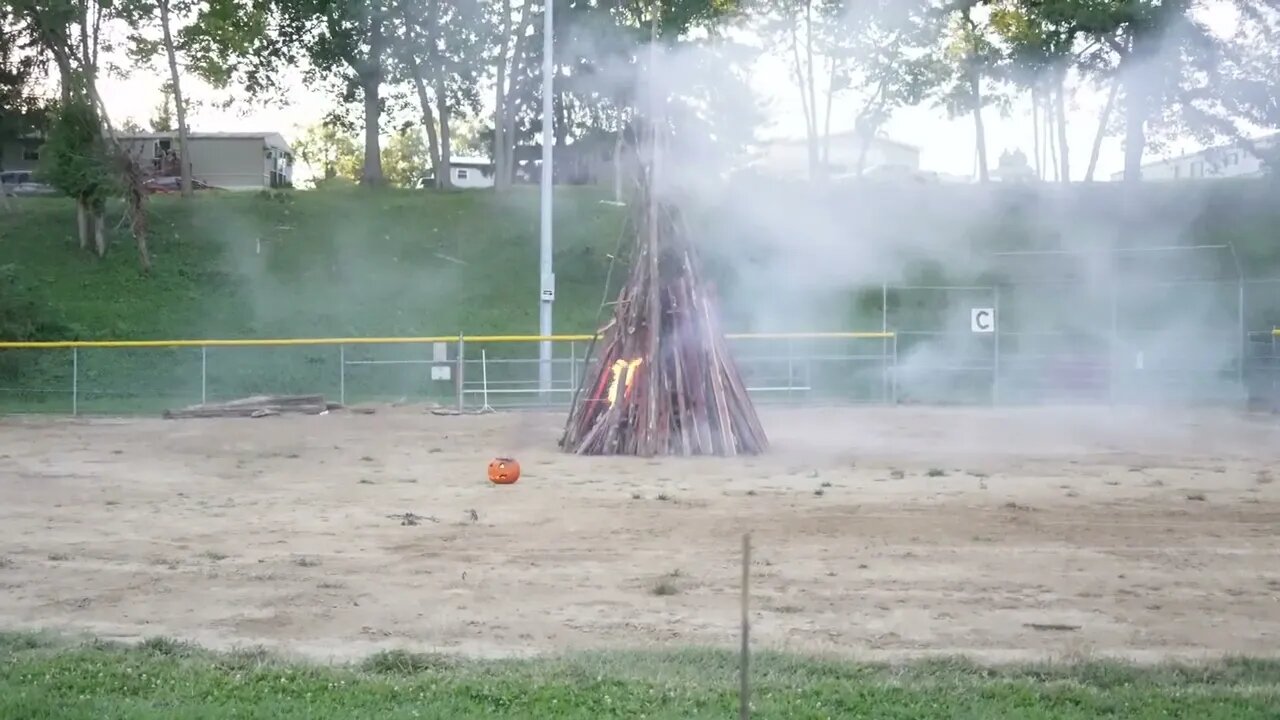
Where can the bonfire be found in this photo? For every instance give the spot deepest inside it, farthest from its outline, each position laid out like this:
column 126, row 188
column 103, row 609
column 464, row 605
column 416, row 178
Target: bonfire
column 661, row 380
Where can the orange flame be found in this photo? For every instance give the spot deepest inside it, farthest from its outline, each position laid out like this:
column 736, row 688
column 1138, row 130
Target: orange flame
column 624, row 373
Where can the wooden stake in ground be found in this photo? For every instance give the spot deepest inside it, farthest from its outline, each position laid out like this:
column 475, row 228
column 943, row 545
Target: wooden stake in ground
column 744, row 692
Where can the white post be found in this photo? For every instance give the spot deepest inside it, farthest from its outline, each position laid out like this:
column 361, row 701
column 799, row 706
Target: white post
column 204, row 375
column 75, row 381
column 484, row 377
column 342, row 374
column 547, row 276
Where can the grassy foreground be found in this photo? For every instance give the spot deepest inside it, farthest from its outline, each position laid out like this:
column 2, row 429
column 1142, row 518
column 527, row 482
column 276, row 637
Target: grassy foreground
column 42, row 677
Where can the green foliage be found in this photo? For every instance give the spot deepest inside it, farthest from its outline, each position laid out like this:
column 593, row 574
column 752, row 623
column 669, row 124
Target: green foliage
column 75, row 158
column 44, row 679
column 404, row 159
column 330, row 152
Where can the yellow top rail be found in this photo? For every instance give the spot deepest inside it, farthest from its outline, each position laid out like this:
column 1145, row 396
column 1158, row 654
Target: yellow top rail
column 281, row 342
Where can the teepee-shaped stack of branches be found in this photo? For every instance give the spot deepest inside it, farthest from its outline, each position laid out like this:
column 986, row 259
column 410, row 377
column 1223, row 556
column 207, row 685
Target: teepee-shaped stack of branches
column 663, row 382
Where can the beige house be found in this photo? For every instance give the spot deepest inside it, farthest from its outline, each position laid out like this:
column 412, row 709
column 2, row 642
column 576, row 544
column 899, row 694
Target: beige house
column 233, row 161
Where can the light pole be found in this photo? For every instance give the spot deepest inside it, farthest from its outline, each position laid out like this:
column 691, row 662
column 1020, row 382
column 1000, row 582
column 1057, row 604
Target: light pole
column 547, row 292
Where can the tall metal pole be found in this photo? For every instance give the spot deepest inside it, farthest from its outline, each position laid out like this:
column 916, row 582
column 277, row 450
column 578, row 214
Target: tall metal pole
column 547, row 293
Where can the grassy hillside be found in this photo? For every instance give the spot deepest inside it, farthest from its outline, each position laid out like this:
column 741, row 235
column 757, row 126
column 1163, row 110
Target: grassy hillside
column 310, row 264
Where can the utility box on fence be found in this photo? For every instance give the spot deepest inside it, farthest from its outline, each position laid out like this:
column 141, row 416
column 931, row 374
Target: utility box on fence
column 441, row 368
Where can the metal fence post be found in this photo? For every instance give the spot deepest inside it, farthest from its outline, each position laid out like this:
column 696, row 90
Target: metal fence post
column 204, row 374
column 462, row 365
column 342, row 374
column 893, row 375
column 1244, row 336
column 995, row 342
column 573, row 367
column 75, row 381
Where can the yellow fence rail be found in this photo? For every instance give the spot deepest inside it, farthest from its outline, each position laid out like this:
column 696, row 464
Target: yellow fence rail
column 282, row 342
column 471, row 372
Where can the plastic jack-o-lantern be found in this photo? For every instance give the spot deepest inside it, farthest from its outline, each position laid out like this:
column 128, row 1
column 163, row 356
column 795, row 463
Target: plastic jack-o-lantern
column 504, row 471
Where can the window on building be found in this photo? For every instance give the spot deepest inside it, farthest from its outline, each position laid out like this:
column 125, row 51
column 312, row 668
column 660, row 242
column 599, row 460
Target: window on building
column 1233, row 158
column 462, row 174
column 162, row 147
column 30, row 153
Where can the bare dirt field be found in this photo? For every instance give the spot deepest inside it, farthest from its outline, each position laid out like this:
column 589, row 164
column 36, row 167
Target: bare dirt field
column 879, row 533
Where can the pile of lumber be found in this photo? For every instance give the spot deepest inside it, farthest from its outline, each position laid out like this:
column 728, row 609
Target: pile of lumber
column 662, row 381
column 257, row 406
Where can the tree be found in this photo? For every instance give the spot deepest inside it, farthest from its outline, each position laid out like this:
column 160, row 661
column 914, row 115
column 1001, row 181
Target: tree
column 76, row 156
column 143, row 16
column 975, row 62
column 162, row 119
column 405, row 157
column 1041, row 39
column 440, row 50
column 872, row 48
column 21, row 110
column 1167, row 64
column 327, row 148
column 246, row 41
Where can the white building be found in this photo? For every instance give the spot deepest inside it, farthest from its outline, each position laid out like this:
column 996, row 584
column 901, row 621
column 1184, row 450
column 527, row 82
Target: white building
column 466, row 172
column 233, row 161
column 790, row 158
column 1221, row 162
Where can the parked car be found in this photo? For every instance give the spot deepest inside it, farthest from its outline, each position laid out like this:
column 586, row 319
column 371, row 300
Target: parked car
column 172, row 184
column 23, row 183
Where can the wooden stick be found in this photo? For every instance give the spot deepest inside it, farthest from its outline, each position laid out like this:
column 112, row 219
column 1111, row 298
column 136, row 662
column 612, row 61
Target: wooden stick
column 744, row 692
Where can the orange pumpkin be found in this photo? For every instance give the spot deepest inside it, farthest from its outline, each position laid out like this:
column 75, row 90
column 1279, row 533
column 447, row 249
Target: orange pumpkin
column 504, row 471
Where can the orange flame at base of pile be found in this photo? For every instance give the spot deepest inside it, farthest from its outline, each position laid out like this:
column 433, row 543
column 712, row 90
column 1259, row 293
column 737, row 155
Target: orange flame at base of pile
column 624, row 373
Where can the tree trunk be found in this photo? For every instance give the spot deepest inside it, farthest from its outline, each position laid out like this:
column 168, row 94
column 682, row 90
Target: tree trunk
column 1051, row 140
column 369, row 71
column 617, row 165
column 1035, row 128
column 83, row 224
column 826, row 125
column 444, row 178
column 428, row 117
column 519, row 57
column 1103, row 121
column 816, row 169
column 179, row 105
column 1135, row 131
column 1060, row 100
column 979, row 128
column 444, row 168
column 371, row 175
column 99, row 232
column 810, row 123
column 501, row 175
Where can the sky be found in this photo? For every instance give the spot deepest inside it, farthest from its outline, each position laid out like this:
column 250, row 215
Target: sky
column 947, row 145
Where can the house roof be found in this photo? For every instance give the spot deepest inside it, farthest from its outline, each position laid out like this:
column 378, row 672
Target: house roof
column 271, row 138
column 847, row 133
column 469, row 160
column 1261, row 141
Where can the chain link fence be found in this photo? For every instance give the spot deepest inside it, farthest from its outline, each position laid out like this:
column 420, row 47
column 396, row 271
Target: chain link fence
column 465, row 373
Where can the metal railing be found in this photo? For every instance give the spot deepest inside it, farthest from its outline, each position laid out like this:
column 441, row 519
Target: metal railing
column 465, row 372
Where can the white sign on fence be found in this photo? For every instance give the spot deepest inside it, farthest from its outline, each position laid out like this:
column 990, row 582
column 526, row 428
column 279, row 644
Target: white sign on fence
column 441, row 372
column 982, row 320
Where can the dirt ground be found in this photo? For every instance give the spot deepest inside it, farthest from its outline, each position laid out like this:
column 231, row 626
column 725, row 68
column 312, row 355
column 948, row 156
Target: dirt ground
column 878, row 533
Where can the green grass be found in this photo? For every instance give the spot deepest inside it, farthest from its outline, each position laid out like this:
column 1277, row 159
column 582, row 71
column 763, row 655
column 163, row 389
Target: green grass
column 43, row 677
column 340, row 263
